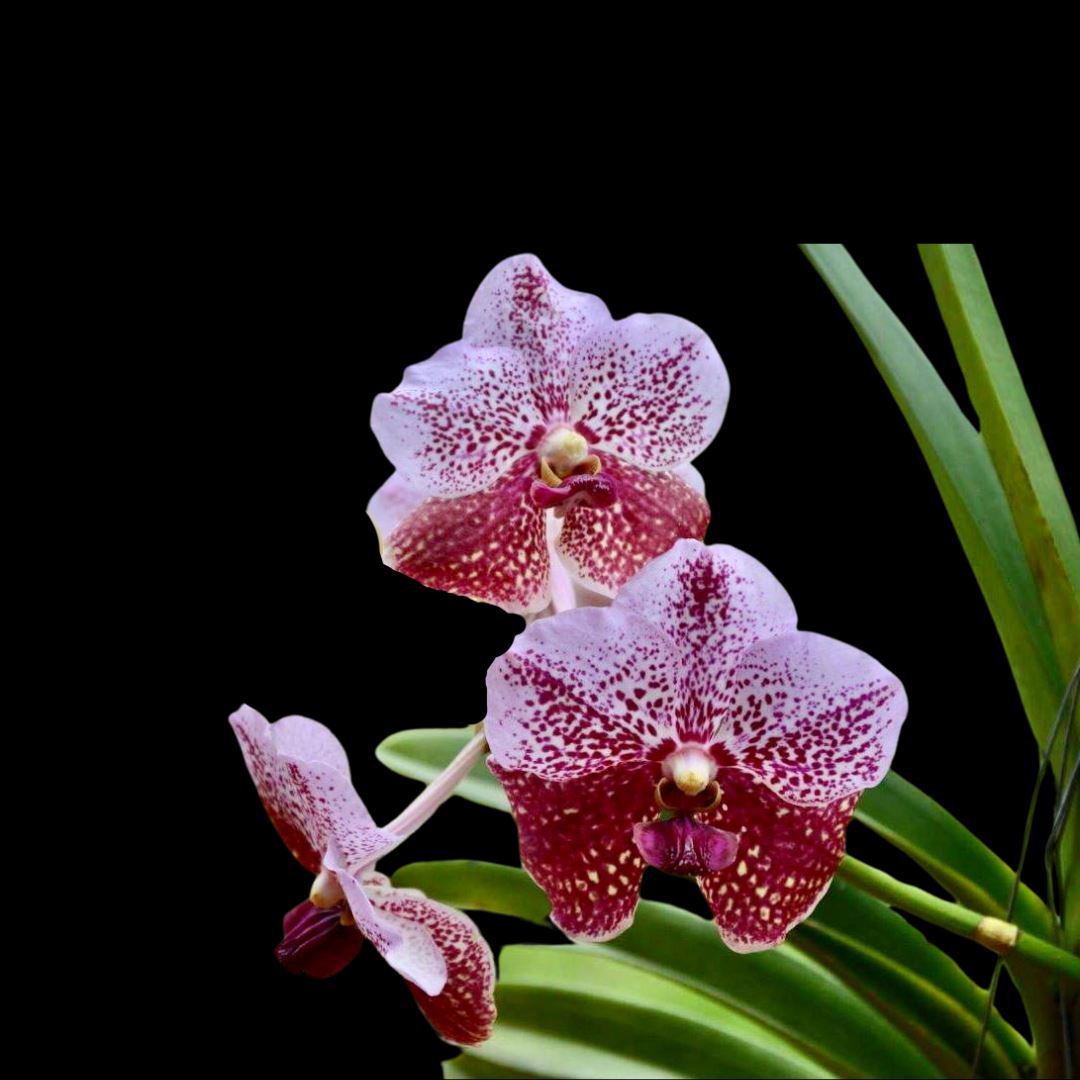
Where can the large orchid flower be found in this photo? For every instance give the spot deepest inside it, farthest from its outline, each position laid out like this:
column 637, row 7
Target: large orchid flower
column 690, row 727
column 546, row 404
column 302, row 776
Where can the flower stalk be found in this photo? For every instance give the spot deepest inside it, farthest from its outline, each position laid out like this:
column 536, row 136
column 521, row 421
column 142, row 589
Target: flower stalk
column 1002, row 937
column 440, row 789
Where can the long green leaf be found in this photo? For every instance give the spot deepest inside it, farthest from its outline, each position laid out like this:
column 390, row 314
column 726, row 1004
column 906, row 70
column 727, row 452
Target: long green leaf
column 1039, row 508
column 478, row 886
column 1012, row 435
column 965, row 478
column 690, row 1033
column 797, row 997
column 920, row 988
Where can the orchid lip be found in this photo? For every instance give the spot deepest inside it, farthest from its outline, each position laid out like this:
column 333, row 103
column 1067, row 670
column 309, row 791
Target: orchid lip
column 586, row 489
column 685, row 846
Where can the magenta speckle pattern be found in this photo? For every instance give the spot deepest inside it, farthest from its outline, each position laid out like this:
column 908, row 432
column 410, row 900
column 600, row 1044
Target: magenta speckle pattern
column 582, row 692
column 458, row 421
column 715, row 602
column 463, row 1011
column 603, row 547
column 787, row 856
column 699, row 650
column 815, row 718
column 491, row 546
column 520, row 306
column 646, row 394
column 577, row 843
column 650, row 389
column 309, row 802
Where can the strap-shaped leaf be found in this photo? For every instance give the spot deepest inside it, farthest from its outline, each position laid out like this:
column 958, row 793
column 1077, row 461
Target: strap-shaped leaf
column 920, row 988
column 795, row 996
column 1018, row 450
column 966, row 480
column 1012, row 434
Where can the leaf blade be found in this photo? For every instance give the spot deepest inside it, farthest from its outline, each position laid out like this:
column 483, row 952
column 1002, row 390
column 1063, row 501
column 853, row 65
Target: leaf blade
column 966, row 480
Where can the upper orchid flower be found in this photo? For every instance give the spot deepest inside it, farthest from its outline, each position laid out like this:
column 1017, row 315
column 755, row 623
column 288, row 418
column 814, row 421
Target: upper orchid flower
column 692, row 695
column 547, row 403
column 302, row 776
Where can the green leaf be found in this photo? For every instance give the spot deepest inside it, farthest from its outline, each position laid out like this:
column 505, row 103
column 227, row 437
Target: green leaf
column 921, row 989
column 1014, row 439
column 478, row 886
column 966, row 480
column 1012, row 435
column 616, row 1007
column 423, row 753
column 793, row 995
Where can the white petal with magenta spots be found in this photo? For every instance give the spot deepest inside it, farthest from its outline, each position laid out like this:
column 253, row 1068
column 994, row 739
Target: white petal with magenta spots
column 520, row 306
column 459, row 420
column 815, row 718
column 650, row 389
column 587, row 690
column 309, row 802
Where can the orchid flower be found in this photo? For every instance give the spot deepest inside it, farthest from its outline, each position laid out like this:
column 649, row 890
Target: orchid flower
column 546, row 404
column 302, row 776
column 690, row 726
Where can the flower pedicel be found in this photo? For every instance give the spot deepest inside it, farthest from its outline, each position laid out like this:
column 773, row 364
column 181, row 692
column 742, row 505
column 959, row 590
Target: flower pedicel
column 546, row 404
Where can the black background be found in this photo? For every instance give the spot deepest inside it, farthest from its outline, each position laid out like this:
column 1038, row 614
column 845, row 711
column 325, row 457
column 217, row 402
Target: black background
column 276, row 594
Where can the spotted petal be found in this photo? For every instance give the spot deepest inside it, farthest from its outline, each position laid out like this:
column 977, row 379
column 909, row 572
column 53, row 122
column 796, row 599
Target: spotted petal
column 585, row 691
column 786, row 859
column 463, row 1009
column 310, row 802
column 603, row 547
column 816, row 719
column 391, row 505
column 520, row 306
column 458, row 421
column 650, row 389
column 715, row 602
column 490, row 546
column 406, row 946
column 577, row 842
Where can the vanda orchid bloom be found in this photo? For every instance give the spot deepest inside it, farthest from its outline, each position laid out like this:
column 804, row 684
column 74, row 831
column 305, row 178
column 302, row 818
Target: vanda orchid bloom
column 547, row 403
column 692, row 695
column 302, row 776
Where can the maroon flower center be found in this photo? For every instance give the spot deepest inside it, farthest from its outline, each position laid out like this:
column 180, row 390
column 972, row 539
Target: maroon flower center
column 680, row 844
column 569, row 474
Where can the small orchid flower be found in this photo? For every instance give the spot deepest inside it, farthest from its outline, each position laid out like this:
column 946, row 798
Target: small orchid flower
column 302, row 776
column 689, row 727
column 546, row 404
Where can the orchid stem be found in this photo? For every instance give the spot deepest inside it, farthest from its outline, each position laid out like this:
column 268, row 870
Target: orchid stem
column 440, row 789
column 1002, row 937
